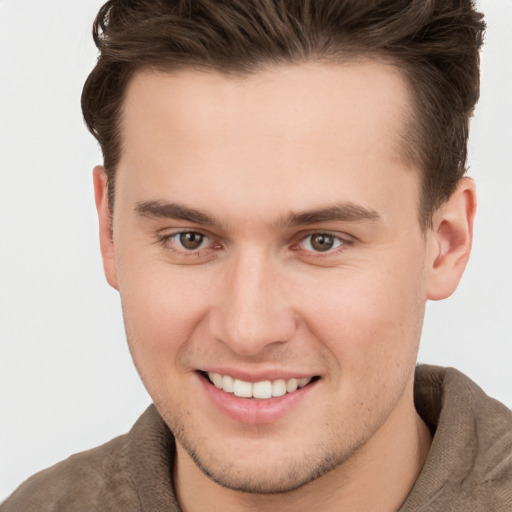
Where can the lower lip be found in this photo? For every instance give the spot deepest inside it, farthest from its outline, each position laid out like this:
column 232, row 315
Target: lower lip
column 253, row 411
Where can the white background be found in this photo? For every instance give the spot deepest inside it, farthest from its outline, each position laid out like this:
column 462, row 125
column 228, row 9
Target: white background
column 67, row 382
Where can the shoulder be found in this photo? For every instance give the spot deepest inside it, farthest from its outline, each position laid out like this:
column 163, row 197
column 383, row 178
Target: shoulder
column 131, row 473
column 99, row 478
column 470, row 461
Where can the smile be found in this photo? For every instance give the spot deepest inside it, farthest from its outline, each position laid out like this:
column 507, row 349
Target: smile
column 261, row 390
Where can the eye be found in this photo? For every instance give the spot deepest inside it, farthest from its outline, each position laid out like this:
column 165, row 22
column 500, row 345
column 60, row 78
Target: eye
column 189, row 240
column 320, row 242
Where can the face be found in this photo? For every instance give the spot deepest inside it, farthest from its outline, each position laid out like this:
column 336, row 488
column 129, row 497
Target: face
column 271, row 266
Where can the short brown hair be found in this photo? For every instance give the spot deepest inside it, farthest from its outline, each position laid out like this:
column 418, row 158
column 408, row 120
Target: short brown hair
column 435, row 43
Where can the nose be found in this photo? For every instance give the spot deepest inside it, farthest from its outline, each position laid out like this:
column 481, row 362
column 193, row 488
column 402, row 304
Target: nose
column 252, row 311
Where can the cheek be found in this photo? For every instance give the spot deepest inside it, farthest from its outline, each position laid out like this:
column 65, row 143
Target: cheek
column 162, row 308
column 160, row 319
column 369, row 320
column 372, row 333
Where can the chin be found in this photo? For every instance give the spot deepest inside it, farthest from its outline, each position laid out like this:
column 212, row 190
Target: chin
column 262, row 469
column 266, row 478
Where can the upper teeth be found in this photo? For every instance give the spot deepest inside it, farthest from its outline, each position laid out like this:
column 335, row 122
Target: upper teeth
column 262, row 389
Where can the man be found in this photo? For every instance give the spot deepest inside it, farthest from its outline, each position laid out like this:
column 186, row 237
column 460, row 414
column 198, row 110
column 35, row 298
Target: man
column 282, row 192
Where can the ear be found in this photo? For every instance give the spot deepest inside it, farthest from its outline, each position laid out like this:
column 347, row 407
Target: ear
column 105, row 225
column 450, row 241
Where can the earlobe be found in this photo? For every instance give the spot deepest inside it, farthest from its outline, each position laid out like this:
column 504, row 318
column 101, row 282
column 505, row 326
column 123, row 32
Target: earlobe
column 450, row 241
column 105, row 225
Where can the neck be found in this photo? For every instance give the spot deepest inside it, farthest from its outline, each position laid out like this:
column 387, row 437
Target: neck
column 379, row 476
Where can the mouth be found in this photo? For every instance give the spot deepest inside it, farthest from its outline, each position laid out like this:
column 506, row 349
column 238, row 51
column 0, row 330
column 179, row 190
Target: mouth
column 261, row 390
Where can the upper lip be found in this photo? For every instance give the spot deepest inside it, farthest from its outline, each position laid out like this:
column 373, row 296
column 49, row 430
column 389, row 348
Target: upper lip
column 258, row 376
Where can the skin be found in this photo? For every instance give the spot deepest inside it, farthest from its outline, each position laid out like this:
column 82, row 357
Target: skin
column 253, row 154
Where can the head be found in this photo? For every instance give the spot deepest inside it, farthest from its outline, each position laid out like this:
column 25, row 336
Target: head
column 281, row 193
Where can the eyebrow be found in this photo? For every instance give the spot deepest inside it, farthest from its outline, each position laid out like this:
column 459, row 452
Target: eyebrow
column 159, row 209
column 345, row 212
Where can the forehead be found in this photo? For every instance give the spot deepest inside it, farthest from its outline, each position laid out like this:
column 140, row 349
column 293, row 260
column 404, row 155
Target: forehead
column 283, row 100
column 284, row 128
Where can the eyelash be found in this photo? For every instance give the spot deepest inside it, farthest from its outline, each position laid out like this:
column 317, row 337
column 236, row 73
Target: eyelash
column 167, row 242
